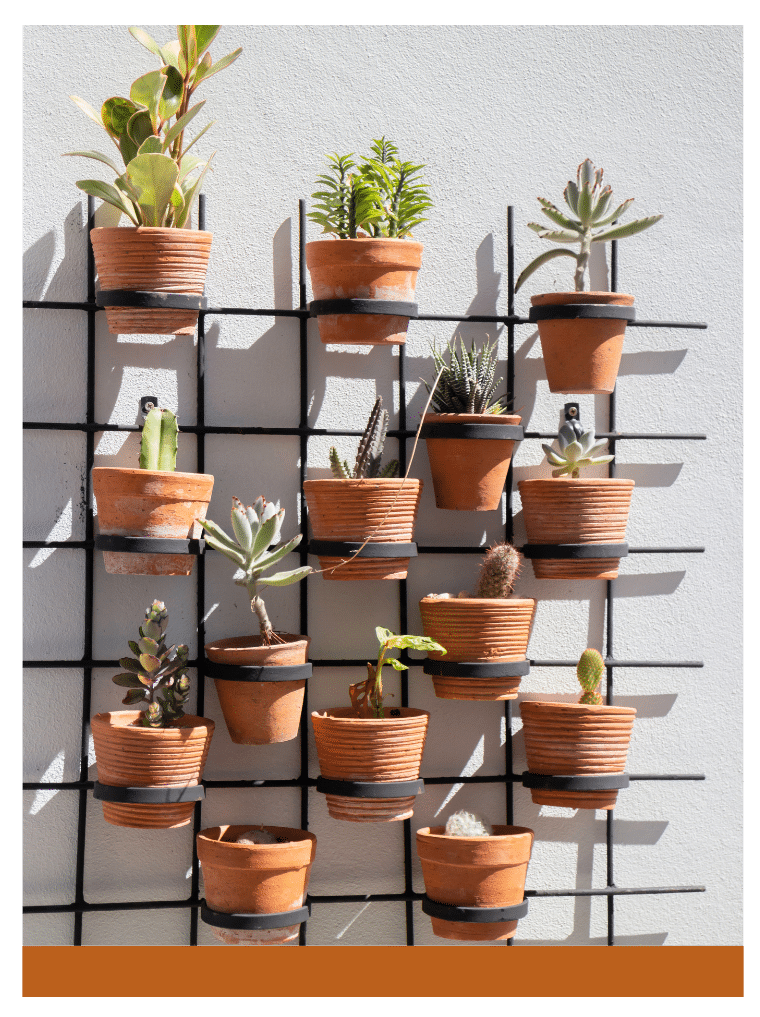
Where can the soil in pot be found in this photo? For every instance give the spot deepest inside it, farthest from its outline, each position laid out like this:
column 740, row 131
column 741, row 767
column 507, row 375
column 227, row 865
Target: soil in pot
column 130, row 755
column 260, row 713
column 486, row 872
column 255, row 878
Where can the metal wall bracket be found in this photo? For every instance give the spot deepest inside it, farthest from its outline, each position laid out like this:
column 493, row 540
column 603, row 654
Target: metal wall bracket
column 572, row 411
column 147, row 403
column 278, row 920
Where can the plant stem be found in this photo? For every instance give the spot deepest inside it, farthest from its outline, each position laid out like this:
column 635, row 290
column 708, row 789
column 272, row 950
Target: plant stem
column 582, row 262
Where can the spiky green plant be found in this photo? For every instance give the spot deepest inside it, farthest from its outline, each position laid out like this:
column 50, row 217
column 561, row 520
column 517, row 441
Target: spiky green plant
column 367, row 696
column 158, row 444
column 498, row 572
column 466, row 384
column 577, row 450
column 154, row 667
column 467, row 824
column 590, row 670
column 254, row 550
column 589, row 201
column 369, row 456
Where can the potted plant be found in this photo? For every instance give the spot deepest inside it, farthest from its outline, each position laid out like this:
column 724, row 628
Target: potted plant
column 370, row 209
column 262, row 870
column 367, row 509
column 160, row 747
column 472, row 865
column 480, row 632
column 577, row 739
column 358, row 744
column 139, row 506
column 259, row 706
column 572, row 512
column 469, row 434
column 582, row 331
column 159, row 257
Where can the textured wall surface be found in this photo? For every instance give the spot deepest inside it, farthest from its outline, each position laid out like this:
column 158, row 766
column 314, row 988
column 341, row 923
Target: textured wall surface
column 499, row 115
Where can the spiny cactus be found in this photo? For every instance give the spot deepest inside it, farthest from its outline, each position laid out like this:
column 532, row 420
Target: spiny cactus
column 589, row 201
column 467, row 824
column 498, row 572
column 590, row 670
column 158, row 445
column 370, row 453
column 256, row 835
column 577, row 450
column 467, row 383
column 155, row 668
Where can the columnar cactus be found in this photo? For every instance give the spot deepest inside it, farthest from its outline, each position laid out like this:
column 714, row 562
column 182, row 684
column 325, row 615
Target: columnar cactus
column 577, row 450
column 498, row 572
column 467, row 824
column 158, row 445
column 369, row 456
column 590, row 670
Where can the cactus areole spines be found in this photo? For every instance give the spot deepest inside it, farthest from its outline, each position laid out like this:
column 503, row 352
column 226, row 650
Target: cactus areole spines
column 498, row 572
column 370, row 452
column 590, row 670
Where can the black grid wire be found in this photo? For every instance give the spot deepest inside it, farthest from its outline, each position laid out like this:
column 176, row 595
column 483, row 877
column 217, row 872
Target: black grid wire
column 79, row 906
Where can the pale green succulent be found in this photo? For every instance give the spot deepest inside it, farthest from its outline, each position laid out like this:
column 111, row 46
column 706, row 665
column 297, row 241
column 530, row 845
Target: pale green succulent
column 158, row 444
column 577, row 450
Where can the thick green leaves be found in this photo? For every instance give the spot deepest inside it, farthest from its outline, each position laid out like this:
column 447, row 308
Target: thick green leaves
column 145, row 40
column 285, row 578
column 172, row 54
column 129, row 665
column 87, row 109
column 204, row 36
column 182, row 123
column 188, row 44
column 191, row 193
column 154, row 177
column 110, row 194
column 396, row 664
column 557, row 217
column 115, row 115
column 629, row 230
column 616, row 214
column 151, row 144
column 171, row 96
column 146, row 91
column 149, row 663
column 127, row 681
column 218, row 66
column 99, row 157
column 242, row 527
column 560, row 236
column 542, row 260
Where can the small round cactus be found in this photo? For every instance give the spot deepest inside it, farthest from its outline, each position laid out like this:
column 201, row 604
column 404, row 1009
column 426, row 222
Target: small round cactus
column 467, row 824
column 590, row 670
column 498, row 572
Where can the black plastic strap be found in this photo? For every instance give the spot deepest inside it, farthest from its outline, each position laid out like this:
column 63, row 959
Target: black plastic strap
column 257, row 672
column 279, row 920
column 550, row 311
column 369, row 789
column 345, row 548
column 453, row 913
column 444, row 429
column 148, row 795
column 362, row 305
column 149, row 545
column 151, row 298
column 576, row 782
column 476, row 669
column 574, row 550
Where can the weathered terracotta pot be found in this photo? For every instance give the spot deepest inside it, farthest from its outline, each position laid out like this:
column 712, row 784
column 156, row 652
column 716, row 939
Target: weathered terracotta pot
column 352, row 510
column 478, row 630
column 582, row 511
column 582, row 355
column 566, row 739
column 150, row 503
column 366, row 749
column 256, row 879
column 154, row 259
column 376, row 269
column 486, row 872
column 134, row 756
column 469, row 473
column 260, row 713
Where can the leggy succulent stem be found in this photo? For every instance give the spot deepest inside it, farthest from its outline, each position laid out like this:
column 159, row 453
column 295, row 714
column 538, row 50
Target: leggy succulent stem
column 582, row 263
column 268, row 634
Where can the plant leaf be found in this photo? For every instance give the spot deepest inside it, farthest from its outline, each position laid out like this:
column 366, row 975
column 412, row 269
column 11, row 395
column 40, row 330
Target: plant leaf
column 87, row 109
column 177, row 128
column 541, row 260
column 149, row 663
column 146, row 40
column 396, row 664
column 173, row 91
column 204, row 36
column 286, row 578
column 109, row 194
column 220, row 64
column 127, row 681
column 116, row 113
column 629, row 230
column 154, row 177
column 191, row 194
column 146, row 91
column 99, row 157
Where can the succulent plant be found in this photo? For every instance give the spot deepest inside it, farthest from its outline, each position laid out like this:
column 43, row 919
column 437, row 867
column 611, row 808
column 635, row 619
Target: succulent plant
column 467, row 824
column 466, row 384
column 589, row 201
column 154, row 667
column 498, row 572
column 369, row 457
column 367, row 696
column 256, row 835
column 158, row 444
column 577, row 450
column 254, row 550
column 590, row 670
column 160, row 181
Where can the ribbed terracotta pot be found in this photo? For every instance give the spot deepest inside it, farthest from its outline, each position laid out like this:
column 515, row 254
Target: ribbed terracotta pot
column 478, row 630
column 352, row 510
column 134, row 756
column 582, row 355
column 258, row 879
column 487, row 872
column 154, row 259
column 366, row 749
column 566, row 739
column 582, row 511
column 469, row 473
column 376, row 269
column 260, row 713
column 150, row 503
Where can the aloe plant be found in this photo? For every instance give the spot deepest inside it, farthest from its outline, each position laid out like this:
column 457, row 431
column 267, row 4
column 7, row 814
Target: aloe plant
column 577, row 450
column 466, row 383
column 369, row 456
column 161, row 179
column 367, row 696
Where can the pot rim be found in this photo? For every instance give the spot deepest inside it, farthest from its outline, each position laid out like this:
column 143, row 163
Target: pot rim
column 490, row 418
column 363, row 481
column 254, row 848
column 573, row 707
column 343, row 714
column 365, row 240
column 290, row 639
column 193, row 722
column 580, row 481
column 431, row 833
column 167, row 474
column 606, row 297
column 477, row 601
column 150, row 230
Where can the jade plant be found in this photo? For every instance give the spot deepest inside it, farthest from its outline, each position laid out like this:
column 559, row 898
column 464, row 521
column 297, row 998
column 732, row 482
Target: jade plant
column 369, row 457
column 467, row 824
column 589, row 203
column 466, row 383
column 590, row 670
column 254, row 550
column 154, row 669
column 498, row 572
column 367, row 696
column 161, row 178
column 577, row 450
column 158, row 443
column 378, row 197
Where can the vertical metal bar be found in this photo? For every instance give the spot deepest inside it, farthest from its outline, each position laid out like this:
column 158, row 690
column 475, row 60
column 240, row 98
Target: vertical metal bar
column 303, row 608
column 609, row 819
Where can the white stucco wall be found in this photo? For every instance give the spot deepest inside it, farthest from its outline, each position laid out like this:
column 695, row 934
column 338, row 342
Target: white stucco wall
column 499, row 115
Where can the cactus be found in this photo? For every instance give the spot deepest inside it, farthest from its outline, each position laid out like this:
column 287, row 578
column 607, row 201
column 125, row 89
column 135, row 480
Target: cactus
column 577, row 450
column 155, row 667
column 367, row 696
column 498, row 572
column 589, row 201
column 369, row 456
column 467, row 381
column 158, row 445
column 256, row 835
column 467, row 824
column 590, row 670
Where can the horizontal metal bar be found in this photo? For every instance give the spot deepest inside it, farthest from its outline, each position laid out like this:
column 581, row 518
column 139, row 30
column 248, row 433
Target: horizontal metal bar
column 666, row 776
column 615, row 891
column 667, row 324
column 266, row 312
column 620, row 663
column 126, row 905
column 360, row 662
column 627, row 436
column 666, row 550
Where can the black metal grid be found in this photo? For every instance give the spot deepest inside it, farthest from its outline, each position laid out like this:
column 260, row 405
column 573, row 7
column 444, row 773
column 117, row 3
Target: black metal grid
column 79, row 906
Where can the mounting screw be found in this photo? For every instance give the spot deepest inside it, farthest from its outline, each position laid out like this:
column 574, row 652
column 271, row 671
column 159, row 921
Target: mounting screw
column 572, row 411
column 147, row 403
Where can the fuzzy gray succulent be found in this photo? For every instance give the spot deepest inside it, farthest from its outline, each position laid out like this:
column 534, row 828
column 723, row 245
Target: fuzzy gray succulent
column 369, row 456
column 467, row 824
column 466, row 384
column 577, row 450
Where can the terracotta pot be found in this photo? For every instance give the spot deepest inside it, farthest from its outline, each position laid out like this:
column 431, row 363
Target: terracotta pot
column 565, row 739
column 260, row 713
column 486, row 872
column 478, row 630
column 366, row 749
column 582, row 355
column 150, row 503
column 469, row 473
column 154, row 259
column 582, row 511
column 258, row 879
column 134, row 756
column 376, row 269
column 352, row 510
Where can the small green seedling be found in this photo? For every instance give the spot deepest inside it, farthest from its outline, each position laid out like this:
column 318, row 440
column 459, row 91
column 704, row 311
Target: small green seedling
column 367, row 696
